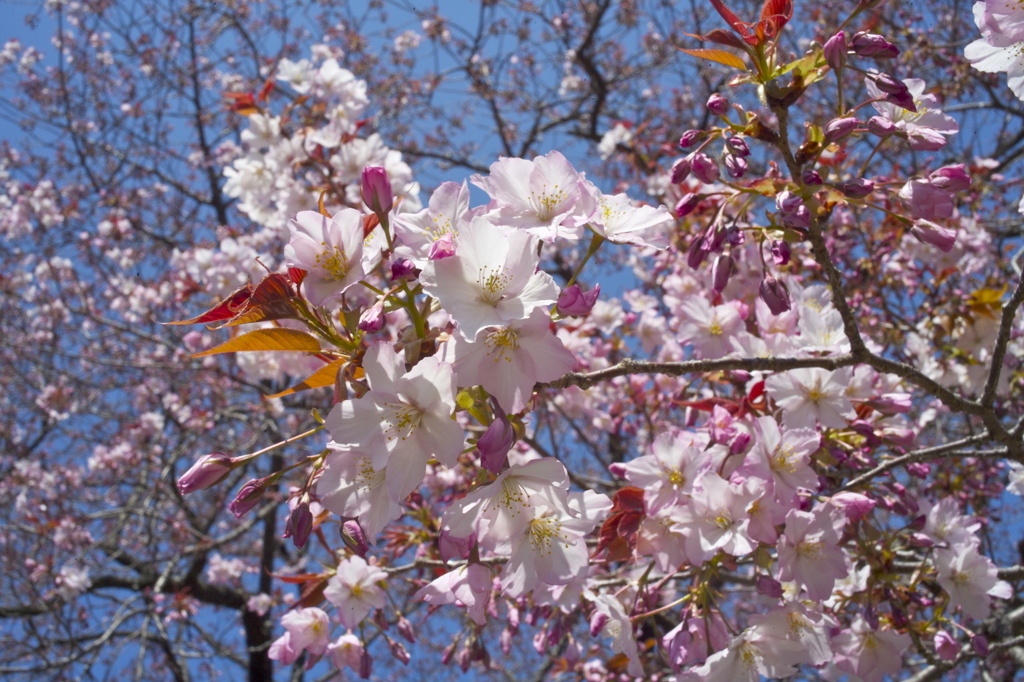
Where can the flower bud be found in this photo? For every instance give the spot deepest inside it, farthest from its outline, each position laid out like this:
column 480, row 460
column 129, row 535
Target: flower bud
column 376, row 190
column 838, row 128
column 735, row 166
column 406, row 630
column 775, row 295
column 781, row 252
column 928, row 232
column 372, row 320
column 792, row 210
column 854, row 505
column 574, row 302
column 687, row 204
column 404, row 269
column 690, row 138
column 443, row 247
column 399, row 651
column 873, row 45
column 812, row 177
column 249, row 496
column 496, row 441
column 980, row 644
column 365, row 665
column 835, row 51
column 697, row 252
column 354, row 538
column 738, row 146
column 597, row 622
column 768, row 586
column 887, row 83
column 299, row 524
column 951, row 178
column 857, row 189
column 208, row 471
column 720, row 272
column 718, row 105
column 946, row 648
column 881, row 126
column 705, row 168
column 925, row 201
column 680, row 170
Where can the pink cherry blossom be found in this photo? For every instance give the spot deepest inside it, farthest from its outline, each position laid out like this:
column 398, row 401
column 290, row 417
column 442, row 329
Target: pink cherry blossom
column 491, row 281
column 330, row 250
column 354, row 590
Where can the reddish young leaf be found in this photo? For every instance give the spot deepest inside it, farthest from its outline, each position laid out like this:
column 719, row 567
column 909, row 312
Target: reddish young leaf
column 774, row 15
column 225, row 310
column 720, row 36
column 270, row 300
column 618, row 532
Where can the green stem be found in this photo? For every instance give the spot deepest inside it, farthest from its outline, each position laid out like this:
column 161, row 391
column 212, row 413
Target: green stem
column 286, row 441
column 595, row 243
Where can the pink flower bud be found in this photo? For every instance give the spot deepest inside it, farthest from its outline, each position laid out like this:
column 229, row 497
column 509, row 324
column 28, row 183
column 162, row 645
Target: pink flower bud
column 854, row 505
column 574, row 302
column 687, row 204
column 690, row 138
column 781, row 252
column 893, row 403
column 792, row 210
column 617, row 469
column 249, row 496
column 835, row 51
column 919, row 469
column 951, row 178
column 718, row 105
column 735, row 166
column 925, row 201
column 720, row 272
column 946, row 648
column 928, row 232
column 299, row 524
column 406, row 630
column 839, row 128
column 768, row 586
column 354, row 538
column 597, row 622
column 443, row 247
column 980, row 644
column 738, row 146
column 404, row 269
column 888, row 84
column 775, row 295
column 496, row 441
column 857, row 189
column 208, row 471
column 365, row 665
column 705, row 168
column 739, row 443
column 881, row 126
column 874, row 46
column 812, row 177
column 372, row 320
column 697, row 252
column 903, row 100
column 680, row 170
column 376, row 190
column 399, row 651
